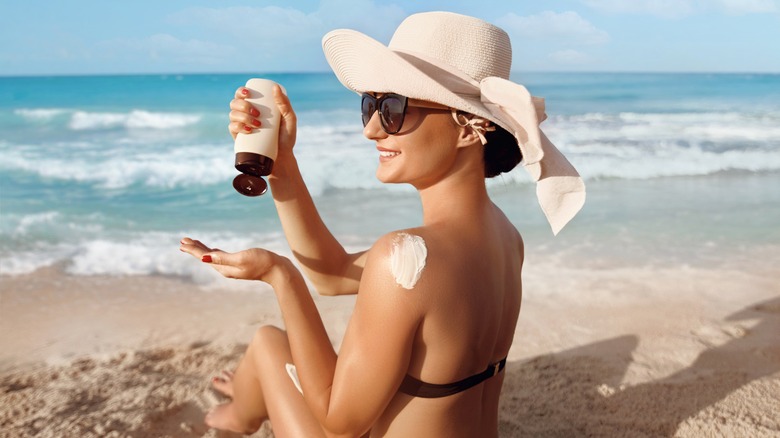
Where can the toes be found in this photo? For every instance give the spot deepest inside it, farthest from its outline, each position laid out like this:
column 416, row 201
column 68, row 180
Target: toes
column 223, row 383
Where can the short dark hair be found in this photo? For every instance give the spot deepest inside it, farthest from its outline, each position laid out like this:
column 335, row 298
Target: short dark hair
column 501, row 153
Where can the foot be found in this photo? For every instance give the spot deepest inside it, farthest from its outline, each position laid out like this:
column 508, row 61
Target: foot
column 223, row 383
column 223, row 417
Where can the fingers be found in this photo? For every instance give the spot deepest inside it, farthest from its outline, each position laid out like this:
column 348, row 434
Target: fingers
column 227, row 264
column 222, row 258
column 194, row 243
column 193, row 247
column 215, row 257
column 241, row 93
column 218, row 259
column 243, row 116
column 196, row 248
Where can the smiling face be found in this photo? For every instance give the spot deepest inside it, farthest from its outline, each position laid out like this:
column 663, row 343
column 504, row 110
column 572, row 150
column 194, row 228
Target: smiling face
column 422, row 151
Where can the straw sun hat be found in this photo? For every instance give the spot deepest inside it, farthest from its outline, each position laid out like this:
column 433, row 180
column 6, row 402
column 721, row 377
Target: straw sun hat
column 464, row 63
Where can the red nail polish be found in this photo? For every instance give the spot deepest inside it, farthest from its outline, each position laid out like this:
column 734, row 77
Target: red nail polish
column 206, row 258
column 245, row 92
column 253, row 112
column 247, row 128
column 256, row 122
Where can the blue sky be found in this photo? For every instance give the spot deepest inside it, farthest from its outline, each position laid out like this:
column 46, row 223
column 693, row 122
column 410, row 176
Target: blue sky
column 175, row 36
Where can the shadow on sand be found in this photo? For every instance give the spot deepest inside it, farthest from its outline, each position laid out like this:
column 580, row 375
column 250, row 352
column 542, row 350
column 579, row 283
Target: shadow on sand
column 578, row 393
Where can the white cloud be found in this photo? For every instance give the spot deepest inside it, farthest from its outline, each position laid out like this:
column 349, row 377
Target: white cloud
column 385, row 17
column 275, row 38
column 552, row 27
column 740, row 7
column 660, row 8
column 263, row 27
column 683, row 8
column 266, row 26
column 164, row 48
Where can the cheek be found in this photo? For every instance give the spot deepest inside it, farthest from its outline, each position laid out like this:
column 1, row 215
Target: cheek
column 437, row 140
column 431, row 127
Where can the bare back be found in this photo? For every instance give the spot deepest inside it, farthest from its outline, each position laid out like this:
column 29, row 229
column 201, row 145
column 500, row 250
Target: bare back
column 470, row 293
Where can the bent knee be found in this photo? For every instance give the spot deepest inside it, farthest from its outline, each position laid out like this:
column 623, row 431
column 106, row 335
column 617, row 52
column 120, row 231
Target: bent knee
column 269, row 336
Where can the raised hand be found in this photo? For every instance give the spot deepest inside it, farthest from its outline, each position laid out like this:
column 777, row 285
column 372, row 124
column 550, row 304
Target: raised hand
column 244, row 117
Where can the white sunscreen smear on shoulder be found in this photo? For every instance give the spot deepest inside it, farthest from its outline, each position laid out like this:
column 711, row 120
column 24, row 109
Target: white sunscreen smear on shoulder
column 407, row 259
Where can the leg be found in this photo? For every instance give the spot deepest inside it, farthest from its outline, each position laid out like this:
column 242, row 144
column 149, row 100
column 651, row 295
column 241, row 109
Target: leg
column 262, row 389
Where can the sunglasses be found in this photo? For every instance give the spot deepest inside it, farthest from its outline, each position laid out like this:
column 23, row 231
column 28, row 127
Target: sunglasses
column 392, row 110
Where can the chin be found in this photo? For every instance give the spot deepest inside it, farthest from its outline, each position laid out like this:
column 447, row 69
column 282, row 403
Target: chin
column 385, row 176
column 385, row 179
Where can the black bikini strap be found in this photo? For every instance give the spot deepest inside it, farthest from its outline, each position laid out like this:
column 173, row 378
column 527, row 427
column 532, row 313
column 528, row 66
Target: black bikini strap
column 417, row 388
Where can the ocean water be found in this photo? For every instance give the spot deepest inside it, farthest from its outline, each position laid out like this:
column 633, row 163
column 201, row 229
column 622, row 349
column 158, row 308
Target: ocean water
column 104, row 174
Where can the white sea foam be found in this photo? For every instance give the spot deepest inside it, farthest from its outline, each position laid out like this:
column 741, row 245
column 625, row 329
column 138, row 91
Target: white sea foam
column 29, row 221
column 337, row 156
column 173, row 167
column 25, row 262
column 85, row 120
column 136, row 119
column 48, row 223
column 156, row 253
column 675, row 161
column 40, row 114
column 148, row 253
column 678, row 126
column 640, row 146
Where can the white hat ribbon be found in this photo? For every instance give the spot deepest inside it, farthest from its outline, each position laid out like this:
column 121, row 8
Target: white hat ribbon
column 559, row 188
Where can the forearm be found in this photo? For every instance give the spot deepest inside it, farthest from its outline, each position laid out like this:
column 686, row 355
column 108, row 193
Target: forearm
column 312, row 351
column 324, row 261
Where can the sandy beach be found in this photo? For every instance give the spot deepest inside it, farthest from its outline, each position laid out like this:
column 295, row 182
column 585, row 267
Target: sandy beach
column 635, row 352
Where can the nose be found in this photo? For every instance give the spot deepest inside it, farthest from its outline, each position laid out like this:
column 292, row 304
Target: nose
column 373, row 129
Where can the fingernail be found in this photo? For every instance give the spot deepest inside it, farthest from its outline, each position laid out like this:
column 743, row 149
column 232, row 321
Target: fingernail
column 256, row 122
column 206, row 259
column 247, row 128
column 245, row 92
column 254, row 112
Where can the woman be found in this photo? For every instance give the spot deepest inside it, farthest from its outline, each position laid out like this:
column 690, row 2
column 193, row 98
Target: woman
column 437, row 305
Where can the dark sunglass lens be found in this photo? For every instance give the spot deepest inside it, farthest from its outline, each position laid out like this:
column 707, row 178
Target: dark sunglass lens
column 392, row 111
column 368, row 106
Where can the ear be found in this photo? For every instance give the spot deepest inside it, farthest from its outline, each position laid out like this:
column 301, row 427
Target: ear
column 467, row 135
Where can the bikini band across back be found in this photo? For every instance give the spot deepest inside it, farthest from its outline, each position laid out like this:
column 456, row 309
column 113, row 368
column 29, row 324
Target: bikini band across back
column 418, row 388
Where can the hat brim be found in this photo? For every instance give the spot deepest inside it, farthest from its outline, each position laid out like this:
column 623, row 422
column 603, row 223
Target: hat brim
column 363, row 64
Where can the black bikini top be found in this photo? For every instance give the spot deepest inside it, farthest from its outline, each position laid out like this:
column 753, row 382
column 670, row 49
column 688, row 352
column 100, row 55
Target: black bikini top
column 418, row 388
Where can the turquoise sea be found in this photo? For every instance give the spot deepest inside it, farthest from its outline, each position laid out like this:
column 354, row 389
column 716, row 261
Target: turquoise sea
column 104, row 174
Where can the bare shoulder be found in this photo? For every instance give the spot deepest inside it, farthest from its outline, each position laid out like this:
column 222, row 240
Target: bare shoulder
column 399, row 257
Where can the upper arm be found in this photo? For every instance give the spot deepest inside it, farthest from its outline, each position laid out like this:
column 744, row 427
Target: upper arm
column 352, row 273
column 344, row 279
column 377, row 346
